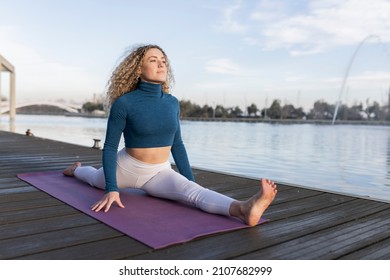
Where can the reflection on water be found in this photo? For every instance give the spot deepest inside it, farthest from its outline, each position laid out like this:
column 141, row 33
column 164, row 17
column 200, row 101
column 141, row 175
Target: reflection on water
column 343, row 158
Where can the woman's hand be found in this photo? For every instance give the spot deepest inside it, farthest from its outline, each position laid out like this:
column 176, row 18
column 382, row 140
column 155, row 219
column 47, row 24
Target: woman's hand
column 107, row 201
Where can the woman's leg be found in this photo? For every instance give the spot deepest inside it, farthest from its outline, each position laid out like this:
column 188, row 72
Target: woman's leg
column 91, row 175
column 88, row 174
column 95, row 177
column 171, row 185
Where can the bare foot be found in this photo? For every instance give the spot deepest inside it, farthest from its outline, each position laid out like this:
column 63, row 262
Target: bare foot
column 250, row 211
column 70, row 170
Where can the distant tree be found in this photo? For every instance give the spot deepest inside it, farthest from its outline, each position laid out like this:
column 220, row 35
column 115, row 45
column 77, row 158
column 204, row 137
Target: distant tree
column 187, row 109
column 275, row 111
column 375, row 111
column 220, row 112
column 290, row 112
column 91, row 106
column 343, row 112
column 299, row 113
column 322, row 111
column 287, row 111
column 355, row 112
column 207, row 111
column 252, row 110
column 234, row 112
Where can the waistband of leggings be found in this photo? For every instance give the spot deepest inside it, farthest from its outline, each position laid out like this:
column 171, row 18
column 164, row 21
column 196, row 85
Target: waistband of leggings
column 138, row 163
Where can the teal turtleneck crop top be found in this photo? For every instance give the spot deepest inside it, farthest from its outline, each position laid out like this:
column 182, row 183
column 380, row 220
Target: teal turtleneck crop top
column 148, row 118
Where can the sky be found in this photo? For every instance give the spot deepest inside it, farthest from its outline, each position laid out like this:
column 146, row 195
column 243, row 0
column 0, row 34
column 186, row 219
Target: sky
column 223, row 52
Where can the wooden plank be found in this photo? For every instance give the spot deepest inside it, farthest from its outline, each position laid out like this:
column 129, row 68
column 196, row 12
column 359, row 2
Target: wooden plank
column 376, row 251
column 22, row 196
column 29, row 214
column 29, row 204
column 107, row 249
column 305, row 205
column 26, row 228
column 26, row 245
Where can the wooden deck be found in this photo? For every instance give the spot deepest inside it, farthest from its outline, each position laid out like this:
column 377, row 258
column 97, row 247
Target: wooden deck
column 305, row 224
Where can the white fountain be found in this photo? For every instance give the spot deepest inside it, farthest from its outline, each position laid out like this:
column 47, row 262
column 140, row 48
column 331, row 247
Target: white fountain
column 348, row 69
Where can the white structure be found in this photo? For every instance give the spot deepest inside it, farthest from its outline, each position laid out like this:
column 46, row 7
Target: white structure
column 6, row 66
column 68, row 108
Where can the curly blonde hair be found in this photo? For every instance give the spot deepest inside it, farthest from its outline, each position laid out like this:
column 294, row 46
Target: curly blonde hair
column 126, row 75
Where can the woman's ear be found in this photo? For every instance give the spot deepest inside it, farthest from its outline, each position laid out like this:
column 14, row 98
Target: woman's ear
column 138, row 72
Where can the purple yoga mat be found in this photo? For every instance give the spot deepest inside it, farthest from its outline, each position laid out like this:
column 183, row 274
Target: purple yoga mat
column 155, row 222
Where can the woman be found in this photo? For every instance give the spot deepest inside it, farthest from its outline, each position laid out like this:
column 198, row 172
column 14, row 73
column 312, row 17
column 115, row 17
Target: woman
column 148, row 117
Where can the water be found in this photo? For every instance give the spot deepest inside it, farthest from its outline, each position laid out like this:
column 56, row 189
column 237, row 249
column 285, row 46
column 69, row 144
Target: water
column 351, row 159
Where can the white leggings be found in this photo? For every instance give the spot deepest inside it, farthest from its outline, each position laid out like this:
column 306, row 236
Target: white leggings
column 158, row 180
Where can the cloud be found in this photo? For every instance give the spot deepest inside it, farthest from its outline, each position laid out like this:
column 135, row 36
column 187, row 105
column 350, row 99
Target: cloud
column 228, row 22
column 325, row 27
column 225, row 66
column 312, row 26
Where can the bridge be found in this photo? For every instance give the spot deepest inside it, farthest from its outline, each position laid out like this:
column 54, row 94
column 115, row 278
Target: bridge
column 68, row 108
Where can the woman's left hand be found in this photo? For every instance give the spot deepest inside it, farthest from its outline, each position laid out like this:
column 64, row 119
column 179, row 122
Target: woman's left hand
column 106, row 201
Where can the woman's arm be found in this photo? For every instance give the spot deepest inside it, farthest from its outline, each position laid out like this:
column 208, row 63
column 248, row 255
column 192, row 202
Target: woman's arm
column 115, row 125
column 179, row 154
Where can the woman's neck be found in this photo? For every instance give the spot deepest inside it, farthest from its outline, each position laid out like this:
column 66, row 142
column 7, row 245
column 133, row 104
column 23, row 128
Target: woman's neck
column 150, row 88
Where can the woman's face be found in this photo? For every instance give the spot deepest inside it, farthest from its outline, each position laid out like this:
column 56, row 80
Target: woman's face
column 153, row 67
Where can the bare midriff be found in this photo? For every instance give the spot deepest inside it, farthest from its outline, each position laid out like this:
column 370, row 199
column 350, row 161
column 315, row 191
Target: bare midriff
column 150, row 155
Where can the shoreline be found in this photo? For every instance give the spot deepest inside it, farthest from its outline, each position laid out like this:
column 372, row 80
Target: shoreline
column 242, row 119
column 258, row 120
column 289, row 121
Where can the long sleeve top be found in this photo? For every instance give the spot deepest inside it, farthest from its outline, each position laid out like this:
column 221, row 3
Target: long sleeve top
column 148, row 118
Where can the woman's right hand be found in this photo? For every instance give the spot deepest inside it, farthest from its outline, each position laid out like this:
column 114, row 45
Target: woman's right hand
column 107, row 200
